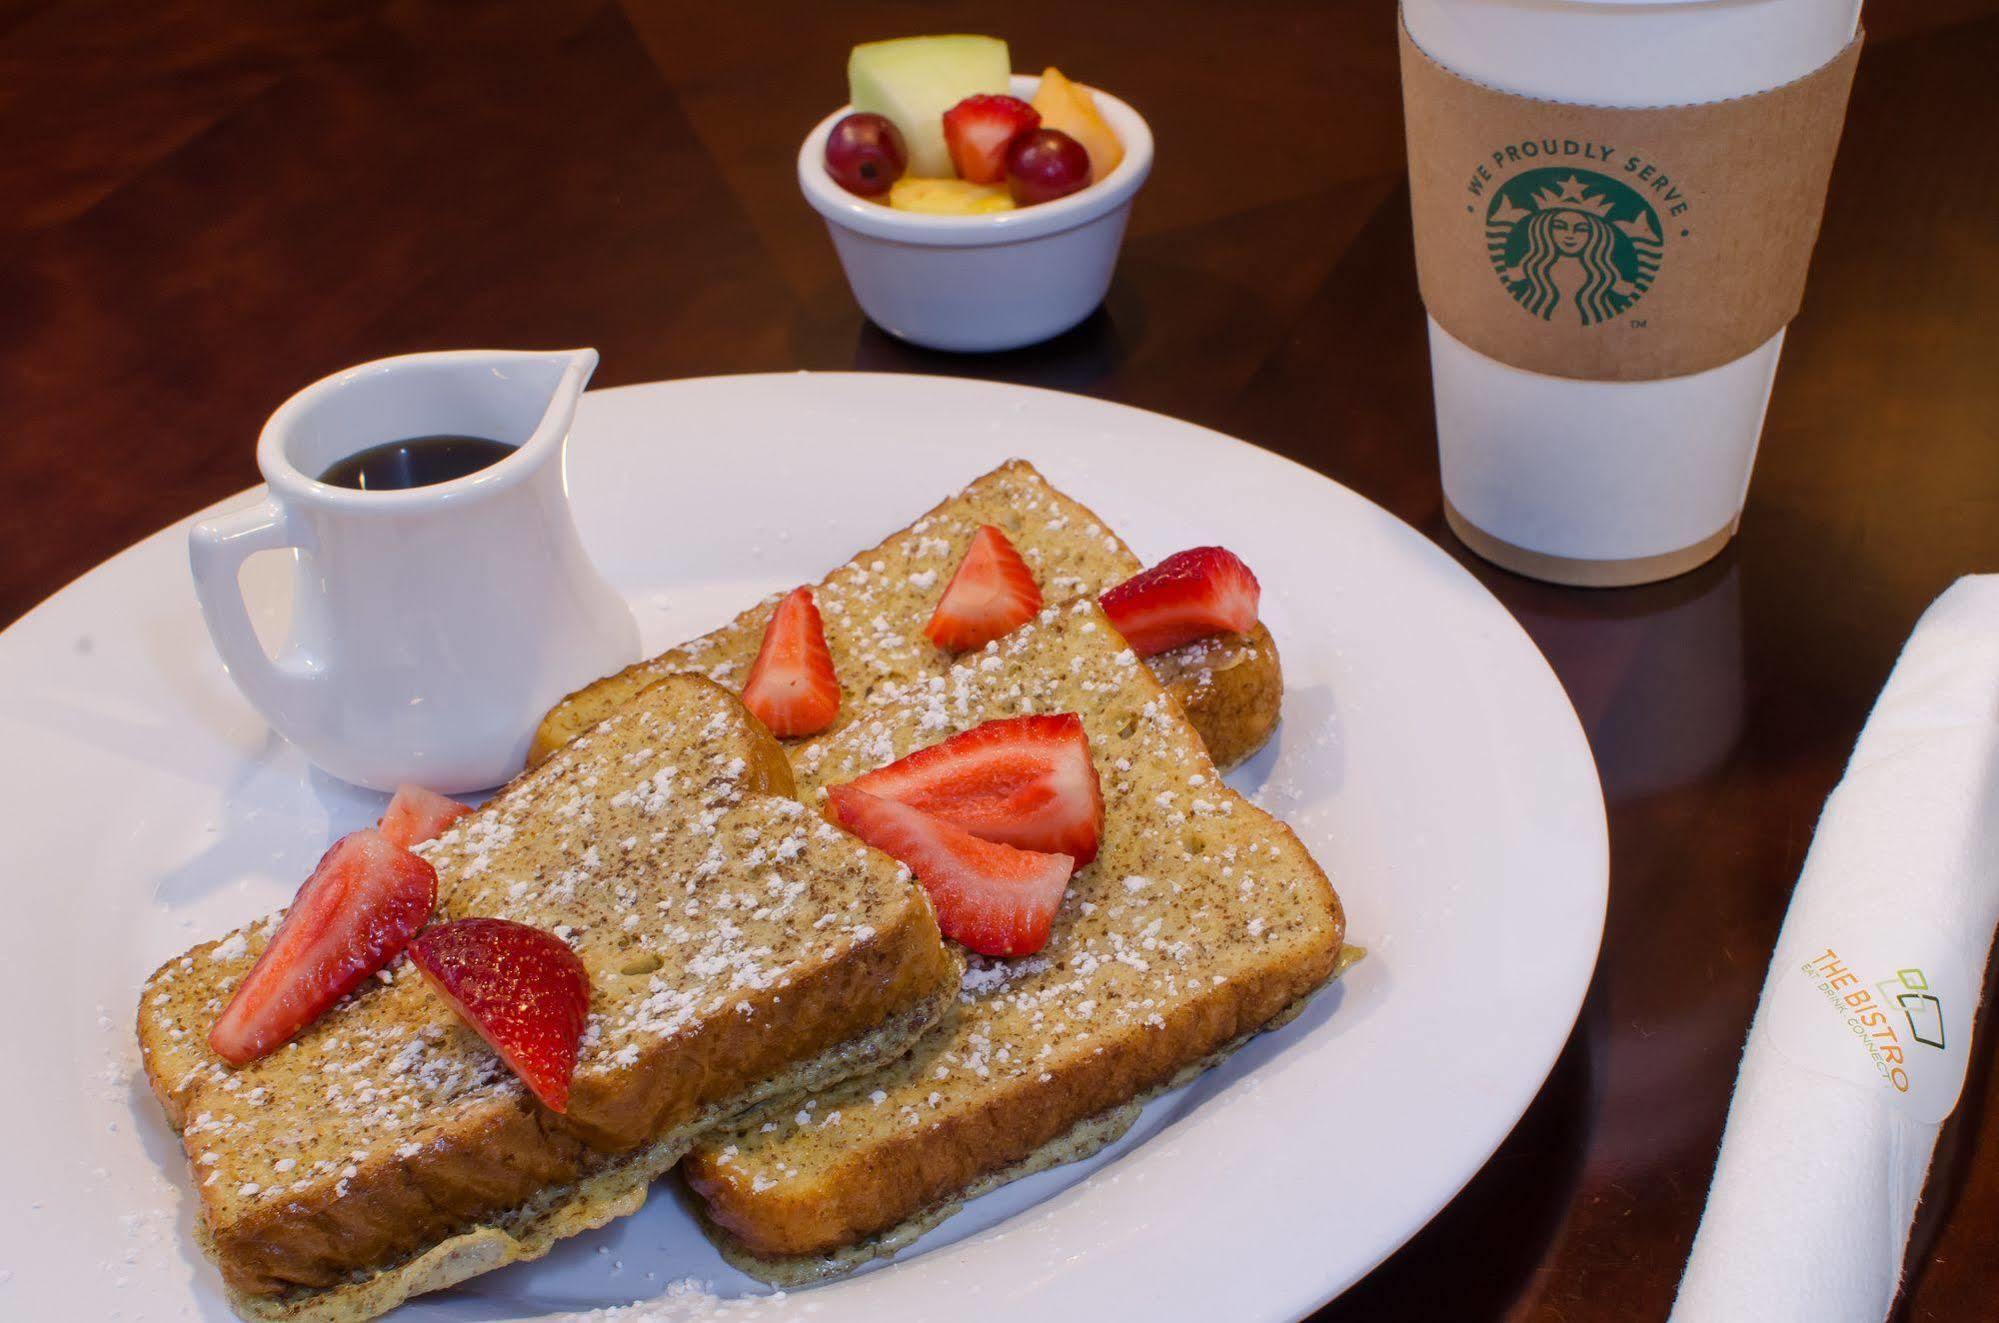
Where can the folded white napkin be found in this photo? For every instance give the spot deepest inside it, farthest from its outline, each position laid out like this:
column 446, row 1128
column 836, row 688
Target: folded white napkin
column 1858, row 1049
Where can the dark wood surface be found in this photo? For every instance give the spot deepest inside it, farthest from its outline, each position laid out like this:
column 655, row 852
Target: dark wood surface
column 206, row 204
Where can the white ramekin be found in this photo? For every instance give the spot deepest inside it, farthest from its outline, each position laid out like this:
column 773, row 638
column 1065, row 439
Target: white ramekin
column 979, row 283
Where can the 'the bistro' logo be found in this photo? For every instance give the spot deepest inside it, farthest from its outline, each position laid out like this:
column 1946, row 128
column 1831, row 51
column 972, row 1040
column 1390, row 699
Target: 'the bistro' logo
column 1865, row 1011
column 1572, row 243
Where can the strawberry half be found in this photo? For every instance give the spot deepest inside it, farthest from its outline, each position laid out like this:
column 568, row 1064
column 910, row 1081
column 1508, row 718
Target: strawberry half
column 993, row 898
column 1025, row 781
column 357, row 911
column 417, row 815
column 792, row 688
column 992, row 592
column 1189, row 595
column 523, row 989
column 979, row 130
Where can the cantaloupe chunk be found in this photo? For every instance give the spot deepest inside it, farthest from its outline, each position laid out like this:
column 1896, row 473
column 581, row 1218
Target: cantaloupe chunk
column 1070, row 107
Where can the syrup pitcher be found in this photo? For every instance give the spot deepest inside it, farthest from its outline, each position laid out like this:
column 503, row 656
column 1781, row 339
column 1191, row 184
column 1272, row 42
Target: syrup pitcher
column 431, row 625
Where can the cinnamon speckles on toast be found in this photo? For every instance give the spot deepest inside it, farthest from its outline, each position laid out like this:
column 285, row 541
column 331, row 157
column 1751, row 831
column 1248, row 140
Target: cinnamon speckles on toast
column 874, row 608
column 1201, row 921
column 731, row 936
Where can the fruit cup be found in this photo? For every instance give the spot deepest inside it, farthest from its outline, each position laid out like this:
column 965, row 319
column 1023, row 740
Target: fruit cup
column 974, row 284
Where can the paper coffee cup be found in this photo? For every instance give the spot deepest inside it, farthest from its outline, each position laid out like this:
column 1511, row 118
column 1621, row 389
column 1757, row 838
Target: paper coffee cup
column 1608, row 481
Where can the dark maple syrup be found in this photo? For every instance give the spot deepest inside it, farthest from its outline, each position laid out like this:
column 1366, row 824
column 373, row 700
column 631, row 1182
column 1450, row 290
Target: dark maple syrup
column 419, row 461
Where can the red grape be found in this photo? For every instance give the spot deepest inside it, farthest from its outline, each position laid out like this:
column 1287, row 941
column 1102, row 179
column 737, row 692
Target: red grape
column 864, row 154
column 1044, row 165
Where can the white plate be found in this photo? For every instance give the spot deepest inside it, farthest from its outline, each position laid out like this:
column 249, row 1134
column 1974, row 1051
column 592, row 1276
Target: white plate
column 1427, row 756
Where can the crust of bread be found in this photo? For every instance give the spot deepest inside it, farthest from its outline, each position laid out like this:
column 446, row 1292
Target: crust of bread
column 1231, row 687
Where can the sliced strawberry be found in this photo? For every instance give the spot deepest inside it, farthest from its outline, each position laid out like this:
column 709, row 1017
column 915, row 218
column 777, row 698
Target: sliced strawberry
column 1189, row 595
column 992, row 592
column 978, row 131
column 993, row 898
column 792, row 688
column 357, row 911
column 1025, row 781
column 417, row 815
column 523, row 989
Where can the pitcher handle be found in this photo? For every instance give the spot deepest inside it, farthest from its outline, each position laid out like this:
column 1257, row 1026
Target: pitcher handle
column 216, row 550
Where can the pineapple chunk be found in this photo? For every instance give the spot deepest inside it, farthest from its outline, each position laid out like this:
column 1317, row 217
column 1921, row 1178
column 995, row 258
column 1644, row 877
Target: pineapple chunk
column 948, row 197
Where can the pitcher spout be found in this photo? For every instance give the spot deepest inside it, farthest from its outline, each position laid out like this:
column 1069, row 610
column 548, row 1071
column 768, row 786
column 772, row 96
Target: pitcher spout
column 575, row 367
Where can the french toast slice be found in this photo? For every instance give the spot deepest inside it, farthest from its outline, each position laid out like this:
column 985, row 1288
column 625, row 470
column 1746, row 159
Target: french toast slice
column 738, row 947
column 874, row 607
column 1201, row 921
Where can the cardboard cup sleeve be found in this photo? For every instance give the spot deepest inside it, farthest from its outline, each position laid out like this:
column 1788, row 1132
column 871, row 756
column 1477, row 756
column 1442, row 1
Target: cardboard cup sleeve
column 1617, row 244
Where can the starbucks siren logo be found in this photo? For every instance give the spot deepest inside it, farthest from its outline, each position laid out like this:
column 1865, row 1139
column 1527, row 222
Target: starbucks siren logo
column 1563, row 238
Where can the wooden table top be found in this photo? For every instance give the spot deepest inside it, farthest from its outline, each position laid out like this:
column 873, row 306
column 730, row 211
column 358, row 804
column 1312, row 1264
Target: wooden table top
column 208, row 203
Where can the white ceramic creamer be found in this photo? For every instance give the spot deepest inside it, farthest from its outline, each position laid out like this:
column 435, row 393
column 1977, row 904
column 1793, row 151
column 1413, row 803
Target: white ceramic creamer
column 431, row 627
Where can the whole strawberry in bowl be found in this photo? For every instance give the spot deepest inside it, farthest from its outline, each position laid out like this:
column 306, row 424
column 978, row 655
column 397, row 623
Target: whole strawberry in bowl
column 973, row 208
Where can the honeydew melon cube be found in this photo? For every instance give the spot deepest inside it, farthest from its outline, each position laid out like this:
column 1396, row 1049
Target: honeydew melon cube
column 914, row 80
